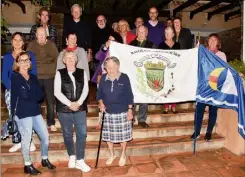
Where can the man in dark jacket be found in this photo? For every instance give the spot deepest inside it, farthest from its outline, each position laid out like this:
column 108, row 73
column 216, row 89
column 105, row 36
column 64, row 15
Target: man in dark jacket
column 141, row 41
column 79, row 27
column 182, row 35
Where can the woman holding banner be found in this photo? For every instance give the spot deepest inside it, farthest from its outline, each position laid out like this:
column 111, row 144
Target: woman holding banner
column 213, row 45
column 169, row 44
column 115, row 99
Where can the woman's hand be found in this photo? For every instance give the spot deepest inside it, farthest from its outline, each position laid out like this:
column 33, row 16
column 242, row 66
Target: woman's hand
column 107, row 44
column 74, row 106
column 102, row 107
column 130, row 114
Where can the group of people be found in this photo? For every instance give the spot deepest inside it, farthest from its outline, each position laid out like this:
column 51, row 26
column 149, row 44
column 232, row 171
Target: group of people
column 42, row 73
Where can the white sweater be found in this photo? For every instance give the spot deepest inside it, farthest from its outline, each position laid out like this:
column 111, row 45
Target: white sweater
column 61, row 97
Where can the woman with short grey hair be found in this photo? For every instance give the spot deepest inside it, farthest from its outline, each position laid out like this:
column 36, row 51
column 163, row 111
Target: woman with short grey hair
column 115, row 99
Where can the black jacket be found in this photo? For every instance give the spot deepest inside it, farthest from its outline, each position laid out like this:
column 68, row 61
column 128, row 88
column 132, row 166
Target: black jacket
column 185, row 39
column 68, row 90
column 147, row 44
column 82, row 31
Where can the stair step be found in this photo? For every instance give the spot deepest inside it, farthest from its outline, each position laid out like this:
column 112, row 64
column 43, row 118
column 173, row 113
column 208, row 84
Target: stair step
column 93, row 108
column 155, row 130
column 153, row 117
column 137, row 147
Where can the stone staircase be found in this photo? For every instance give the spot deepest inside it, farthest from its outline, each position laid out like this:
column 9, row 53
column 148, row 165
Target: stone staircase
column 167, row 134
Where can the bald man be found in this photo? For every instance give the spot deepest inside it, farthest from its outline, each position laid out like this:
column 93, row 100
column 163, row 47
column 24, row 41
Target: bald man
column 156, row 28
column 141, row 41
column 46, row 54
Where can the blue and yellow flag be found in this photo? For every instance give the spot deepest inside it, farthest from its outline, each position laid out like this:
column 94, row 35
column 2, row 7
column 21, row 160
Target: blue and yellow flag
column 220, row 85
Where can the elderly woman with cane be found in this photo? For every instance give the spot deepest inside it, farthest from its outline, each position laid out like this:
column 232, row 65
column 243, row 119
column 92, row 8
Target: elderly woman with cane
column 71, row 90
column 115, row 99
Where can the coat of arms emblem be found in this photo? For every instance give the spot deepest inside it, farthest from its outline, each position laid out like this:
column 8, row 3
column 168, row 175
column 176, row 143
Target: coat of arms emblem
column 155, row 75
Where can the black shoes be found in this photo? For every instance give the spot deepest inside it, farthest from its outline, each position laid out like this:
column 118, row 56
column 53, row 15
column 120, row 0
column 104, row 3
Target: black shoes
column 208, row 136
column 143, row 124
column 195, row 136
column 46, row 163
column 30, row 169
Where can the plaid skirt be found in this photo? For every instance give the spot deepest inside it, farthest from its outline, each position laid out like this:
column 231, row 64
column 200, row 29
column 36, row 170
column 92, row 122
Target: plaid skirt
column 117, row 128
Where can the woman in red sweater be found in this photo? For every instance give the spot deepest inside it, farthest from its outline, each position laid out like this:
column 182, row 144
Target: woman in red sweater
column 124, row 31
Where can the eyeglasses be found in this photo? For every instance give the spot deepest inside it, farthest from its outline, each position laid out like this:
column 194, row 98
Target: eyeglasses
column 99, row 21
column 24, row 61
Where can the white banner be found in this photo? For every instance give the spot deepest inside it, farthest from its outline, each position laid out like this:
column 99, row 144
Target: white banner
column 158, row 76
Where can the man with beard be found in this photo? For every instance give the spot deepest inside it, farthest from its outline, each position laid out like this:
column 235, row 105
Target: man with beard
column 156, row 29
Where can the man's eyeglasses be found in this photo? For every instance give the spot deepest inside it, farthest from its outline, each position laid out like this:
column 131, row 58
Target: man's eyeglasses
column 99, row 21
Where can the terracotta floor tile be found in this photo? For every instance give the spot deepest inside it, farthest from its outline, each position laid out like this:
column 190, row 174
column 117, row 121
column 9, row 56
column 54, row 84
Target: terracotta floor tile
column 141, row 159
column 232, row 158
column 205, row 153
column 229, row 171
column 172, row 165
column 101, row 172
column 62, row 164
column 124, row 171
column 193, row 162
column 205, row 173
column 47, row 174
column 179, row 174
column 153, row 175
column 66, row 172
column 14, row 174
column 214, row 161
column 147, row 169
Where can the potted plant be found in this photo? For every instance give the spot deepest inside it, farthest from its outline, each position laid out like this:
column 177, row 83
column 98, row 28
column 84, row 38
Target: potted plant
column 239, row 66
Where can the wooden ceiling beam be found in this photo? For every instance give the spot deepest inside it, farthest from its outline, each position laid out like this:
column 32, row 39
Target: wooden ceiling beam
column 205, row 7
column 163, row 4
column 231, row 14
column 220, row 10
column 183, row 6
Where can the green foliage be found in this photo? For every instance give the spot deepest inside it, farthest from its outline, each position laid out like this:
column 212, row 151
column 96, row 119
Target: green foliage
column 4, row 30
column 238, row 65
column 46, row 3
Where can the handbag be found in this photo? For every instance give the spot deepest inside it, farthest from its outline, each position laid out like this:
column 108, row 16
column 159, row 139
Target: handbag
column 13, row 127
column 12, row 124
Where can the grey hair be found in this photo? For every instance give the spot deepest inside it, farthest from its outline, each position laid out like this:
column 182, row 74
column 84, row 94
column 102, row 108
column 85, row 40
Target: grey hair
column 114, row 59
column 67, row 52
column 76, row 5
column 169, row 28
column 146, row 29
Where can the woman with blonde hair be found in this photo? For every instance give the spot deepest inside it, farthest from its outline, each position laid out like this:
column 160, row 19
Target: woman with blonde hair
column 26, row 98
column 71, row 90
column 124, row 31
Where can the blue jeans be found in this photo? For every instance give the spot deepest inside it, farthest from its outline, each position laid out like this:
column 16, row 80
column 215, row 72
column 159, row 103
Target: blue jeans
column 25, row 126
column 78, row 119
column 200, row 109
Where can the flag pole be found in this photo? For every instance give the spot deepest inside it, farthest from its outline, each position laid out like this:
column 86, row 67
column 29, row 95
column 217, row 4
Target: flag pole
column 195, row 132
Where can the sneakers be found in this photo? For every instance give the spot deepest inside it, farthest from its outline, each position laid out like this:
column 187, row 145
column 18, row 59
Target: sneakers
column 72, row 162
column 32, row 147
column 122, row 161
column 195, row 136
column 53, row 128
column 82, row 166
column 110, row 160
column 15, row 147
column 208, row 136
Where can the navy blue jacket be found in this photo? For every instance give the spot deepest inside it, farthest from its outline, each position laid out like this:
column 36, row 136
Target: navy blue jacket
column 29, row 94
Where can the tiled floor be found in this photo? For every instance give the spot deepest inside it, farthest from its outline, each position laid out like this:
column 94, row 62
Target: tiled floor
column 219, row 163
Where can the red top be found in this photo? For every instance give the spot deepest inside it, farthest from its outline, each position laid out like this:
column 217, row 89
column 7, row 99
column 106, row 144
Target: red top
column 130, row 37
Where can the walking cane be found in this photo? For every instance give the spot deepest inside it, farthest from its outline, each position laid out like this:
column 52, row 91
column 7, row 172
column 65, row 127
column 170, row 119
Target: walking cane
column 98, row 152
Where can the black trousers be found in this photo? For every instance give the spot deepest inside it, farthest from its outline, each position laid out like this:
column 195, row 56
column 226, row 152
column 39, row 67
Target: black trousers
column 48, row 88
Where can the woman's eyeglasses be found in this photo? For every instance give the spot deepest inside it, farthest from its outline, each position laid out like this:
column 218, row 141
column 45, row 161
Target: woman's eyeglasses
column 24, row 61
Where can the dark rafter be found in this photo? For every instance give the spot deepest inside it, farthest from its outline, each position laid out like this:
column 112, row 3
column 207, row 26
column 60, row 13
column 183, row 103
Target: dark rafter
column 115, row 5
column 228, row 15
column 91, row 4
column 163, row 3
column 204, row 7
column 138, row 4
column 183, row 6
column 222, row 9
column 124, row 13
